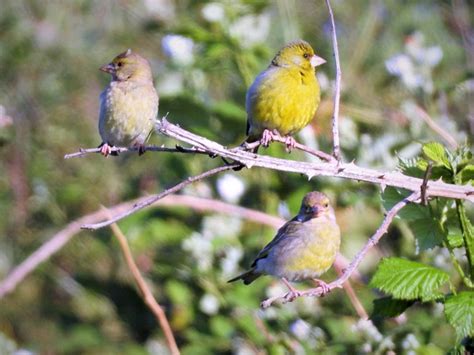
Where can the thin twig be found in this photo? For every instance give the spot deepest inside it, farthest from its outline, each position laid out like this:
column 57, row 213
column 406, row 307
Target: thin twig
column 317, row 291
column 317, row 168
column 356, row 303
column 424, row 186
column 276, row 138
column 337, row 95
column 147, row 295
column 152, row 199
column 436, row 128
column 149, row 148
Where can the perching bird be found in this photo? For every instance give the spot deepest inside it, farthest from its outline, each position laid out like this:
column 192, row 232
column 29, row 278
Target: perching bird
column 129, row 104
column 304, row 248
column 284, row 97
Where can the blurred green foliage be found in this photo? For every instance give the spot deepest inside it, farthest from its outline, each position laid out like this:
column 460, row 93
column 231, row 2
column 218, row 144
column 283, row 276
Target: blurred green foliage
column 402, row 61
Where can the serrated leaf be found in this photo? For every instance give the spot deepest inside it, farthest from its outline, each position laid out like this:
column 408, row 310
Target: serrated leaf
column 467, row 174
column 459, row 311
column 455, row 238
column 436, row 152
column 389, row 307
column 428, row 233
column 391, row 196
column 408, row 280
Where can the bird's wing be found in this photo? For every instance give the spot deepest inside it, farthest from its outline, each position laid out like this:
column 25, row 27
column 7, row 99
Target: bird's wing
column 288, row 229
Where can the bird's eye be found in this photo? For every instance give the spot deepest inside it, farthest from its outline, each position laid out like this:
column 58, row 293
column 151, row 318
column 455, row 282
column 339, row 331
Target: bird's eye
column 326, row 205
column 119, row 64
column 306, row 55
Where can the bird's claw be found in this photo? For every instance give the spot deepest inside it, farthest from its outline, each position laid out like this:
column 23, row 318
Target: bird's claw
column 325, row 289
column 290, row 143
column 105, row 150
column 267, row 138
column 292, row 295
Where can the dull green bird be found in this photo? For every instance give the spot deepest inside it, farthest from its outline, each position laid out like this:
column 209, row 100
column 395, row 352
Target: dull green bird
column 304, row 248
column 128, row 105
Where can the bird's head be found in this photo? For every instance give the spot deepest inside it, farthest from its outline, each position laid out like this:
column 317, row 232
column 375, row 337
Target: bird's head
column 128, row 66
column 298, row 53
column 315, row 205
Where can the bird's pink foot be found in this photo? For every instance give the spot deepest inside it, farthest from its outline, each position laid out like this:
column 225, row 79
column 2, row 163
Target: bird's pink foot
column 105, row 149
column 293, row 292
column 324, row 286
column 267, row 137
column 290, row 143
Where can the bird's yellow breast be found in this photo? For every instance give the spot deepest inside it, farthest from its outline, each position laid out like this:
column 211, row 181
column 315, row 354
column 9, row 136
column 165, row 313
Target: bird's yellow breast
column 311, row 252
column 282, row 99
column 127, row 113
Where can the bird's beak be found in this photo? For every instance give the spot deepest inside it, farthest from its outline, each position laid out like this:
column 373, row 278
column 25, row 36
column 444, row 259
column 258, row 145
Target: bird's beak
column 108, row 68
column 315, row 211
column 316, row 61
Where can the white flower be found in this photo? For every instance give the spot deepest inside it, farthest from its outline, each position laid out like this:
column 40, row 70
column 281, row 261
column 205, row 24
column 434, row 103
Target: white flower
column 170, row 83
column 230, row 262
column 230, row 187
column 221, row 226
column 201, row 250
column 209, row 304
column 368, row 329
column 300, row 329
column 251, row 29
column 162, row 9
column 213, row 12
column 410, row 342
column 179, row 49
column 283, row 210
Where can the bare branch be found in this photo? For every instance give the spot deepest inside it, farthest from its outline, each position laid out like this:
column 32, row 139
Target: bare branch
column 150, row 148
column 152, row 199
column 443, row 133
column 147, row 295
column 57, row 241
column 338, row 283
column 312, row 169
column 337, row 95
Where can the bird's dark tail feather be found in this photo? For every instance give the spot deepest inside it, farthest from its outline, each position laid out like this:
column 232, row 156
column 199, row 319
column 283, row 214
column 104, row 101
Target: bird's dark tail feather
column 248, row 277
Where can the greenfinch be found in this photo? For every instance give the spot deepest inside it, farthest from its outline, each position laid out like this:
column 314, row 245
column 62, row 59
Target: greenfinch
column 284, row 98
column 304, row 248
column 128, row 105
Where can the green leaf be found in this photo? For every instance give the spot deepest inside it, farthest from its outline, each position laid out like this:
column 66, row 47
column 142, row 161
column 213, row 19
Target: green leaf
column 459, row 311
column 467, row 174
column 455, row 238
column 391, row 196
column 408, row 280
column 389, row 307
column 436, row 152
column 428, row 232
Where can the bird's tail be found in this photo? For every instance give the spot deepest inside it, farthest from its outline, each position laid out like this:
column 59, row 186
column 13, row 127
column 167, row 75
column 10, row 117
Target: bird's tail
column 248, row 277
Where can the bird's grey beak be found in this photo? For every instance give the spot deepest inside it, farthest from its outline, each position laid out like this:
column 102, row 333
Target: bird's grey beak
column 108, row 68
column 316, row 61
column 315, row 210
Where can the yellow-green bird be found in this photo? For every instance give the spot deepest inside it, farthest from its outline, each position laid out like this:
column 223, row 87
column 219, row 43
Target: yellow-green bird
column 129, row 104
column 304, row 248
column 284, row 97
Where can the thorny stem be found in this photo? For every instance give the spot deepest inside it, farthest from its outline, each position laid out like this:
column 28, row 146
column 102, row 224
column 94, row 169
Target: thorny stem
column 337, row 95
